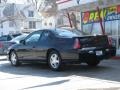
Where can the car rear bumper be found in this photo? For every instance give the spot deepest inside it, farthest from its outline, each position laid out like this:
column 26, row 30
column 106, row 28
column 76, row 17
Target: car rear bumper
column 89, row 53
column 100, row 53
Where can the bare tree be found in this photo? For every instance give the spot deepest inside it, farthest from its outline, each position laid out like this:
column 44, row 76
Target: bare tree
column 5, row 1
column 46, row 7
column 34, row 2
column 10, row 13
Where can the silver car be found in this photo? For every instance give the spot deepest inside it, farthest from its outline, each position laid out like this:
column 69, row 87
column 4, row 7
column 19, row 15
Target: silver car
column 4, row 45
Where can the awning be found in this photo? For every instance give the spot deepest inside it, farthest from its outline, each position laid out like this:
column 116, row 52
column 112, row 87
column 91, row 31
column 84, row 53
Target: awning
column 82, row 7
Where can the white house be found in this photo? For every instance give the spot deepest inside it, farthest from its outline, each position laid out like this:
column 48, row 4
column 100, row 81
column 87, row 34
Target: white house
column 33, row 20
column 17, row 18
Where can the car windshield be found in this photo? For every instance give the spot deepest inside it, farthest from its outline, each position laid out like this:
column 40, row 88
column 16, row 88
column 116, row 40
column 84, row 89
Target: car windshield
column 65, row 33
column 18, row 38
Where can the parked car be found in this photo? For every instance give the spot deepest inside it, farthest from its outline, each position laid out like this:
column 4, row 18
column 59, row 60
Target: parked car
column 9, row 37
column 6, row 44
column 61, row 46
column 17, row 39
column 5, row 38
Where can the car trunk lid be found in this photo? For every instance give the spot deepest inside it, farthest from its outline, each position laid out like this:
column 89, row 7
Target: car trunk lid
column 92, row 41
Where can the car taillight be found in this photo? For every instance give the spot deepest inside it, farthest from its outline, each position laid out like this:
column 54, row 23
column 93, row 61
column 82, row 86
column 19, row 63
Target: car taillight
column 110, row 41
column 77, row 44
column 1, row 45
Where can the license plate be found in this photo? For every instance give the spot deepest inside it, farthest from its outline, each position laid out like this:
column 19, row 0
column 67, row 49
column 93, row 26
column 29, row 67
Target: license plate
column 98, row 53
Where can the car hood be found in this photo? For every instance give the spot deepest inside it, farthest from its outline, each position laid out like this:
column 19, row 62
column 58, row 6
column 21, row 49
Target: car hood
column 15, row 46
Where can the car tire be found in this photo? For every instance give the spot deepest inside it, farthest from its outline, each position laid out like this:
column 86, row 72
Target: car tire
column 14, row 59
column 55, row 61
column 93, row 63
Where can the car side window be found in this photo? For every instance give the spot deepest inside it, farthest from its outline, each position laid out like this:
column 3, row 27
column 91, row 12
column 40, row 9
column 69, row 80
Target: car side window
column 34, row 38
column 44, row 36
column 9, row 38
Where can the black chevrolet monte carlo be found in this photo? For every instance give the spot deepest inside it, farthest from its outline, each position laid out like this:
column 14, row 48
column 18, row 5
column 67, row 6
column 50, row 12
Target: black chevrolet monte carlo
column 60, row 46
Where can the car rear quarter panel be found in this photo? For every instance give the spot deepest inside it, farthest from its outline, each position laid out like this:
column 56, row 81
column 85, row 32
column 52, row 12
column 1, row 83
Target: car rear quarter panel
column 65, row 48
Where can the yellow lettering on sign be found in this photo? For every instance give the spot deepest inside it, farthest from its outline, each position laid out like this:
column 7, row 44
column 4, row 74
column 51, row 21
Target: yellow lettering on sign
column 91, row 16
column 103, row 13
column 96, row 16
column 112, row 9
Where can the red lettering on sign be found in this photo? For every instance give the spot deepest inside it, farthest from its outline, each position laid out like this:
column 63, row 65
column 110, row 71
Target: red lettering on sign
column 118, row 9
column 86, row 17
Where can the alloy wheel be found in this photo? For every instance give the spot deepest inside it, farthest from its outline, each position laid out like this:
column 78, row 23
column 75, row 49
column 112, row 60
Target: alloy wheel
column 54, row 61
column 13, row 58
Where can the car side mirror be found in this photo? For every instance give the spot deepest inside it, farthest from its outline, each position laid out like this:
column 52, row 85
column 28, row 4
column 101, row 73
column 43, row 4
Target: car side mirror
column 22, row 42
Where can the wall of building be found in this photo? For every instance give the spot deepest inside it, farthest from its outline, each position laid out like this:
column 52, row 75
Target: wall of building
column 36, row 18
column 49, row 22
column 110, row 19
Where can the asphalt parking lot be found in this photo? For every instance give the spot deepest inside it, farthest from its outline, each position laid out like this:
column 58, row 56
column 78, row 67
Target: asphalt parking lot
column 74, row 77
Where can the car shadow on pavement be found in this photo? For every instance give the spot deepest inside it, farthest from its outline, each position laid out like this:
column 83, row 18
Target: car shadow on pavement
column 107, row 70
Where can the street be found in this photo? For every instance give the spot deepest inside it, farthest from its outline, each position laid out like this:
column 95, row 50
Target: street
column 74, row 77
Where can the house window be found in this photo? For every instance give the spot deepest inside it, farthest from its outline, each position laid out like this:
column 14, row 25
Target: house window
column 11, row 24
column 32, row 24
column 30, row 13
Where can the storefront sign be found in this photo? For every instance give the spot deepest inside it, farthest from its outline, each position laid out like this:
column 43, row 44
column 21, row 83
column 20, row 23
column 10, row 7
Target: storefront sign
column 110, row 13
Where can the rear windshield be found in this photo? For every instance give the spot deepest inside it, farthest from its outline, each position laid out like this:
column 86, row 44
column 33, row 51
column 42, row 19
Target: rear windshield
column 18, row 38
column 4, row 38
column 65, row 33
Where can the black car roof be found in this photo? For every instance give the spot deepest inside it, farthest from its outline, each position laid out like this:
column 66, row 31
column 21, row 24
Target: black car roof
column 52, row 30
